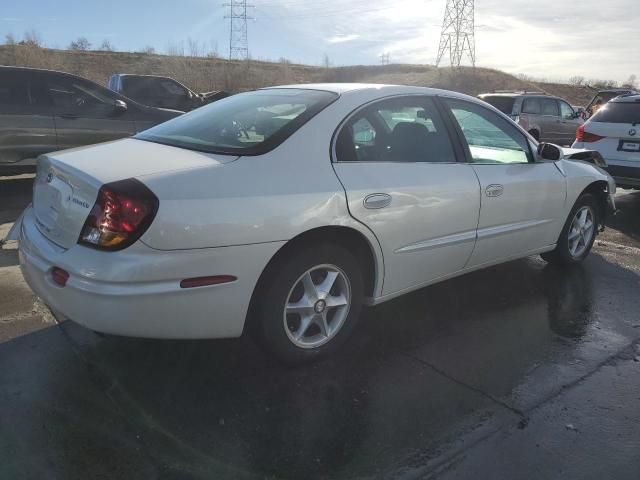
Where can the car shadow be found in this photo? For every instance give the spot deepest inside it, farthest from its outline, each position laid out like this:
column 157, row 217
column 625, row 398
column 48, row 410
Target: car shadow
column 626, row 221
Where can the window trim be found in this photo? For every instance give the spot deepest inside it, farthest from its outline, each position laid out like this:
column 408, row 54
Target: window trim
column 531, row 158
column 457, row 150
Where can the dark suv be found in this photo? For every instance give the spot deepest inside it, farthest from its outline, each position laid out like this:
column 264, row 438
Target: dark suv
column 157, row 91
column 43, row 111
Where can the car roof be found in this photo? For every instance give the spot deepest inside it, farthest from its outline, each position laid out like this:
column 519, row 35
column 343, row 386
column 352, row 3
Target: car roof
column 631, row 98
column 383, row 89
column 516, row 94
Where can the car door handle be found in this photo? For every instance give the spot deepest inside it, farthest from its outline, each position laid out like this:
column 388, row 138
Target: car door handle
column 68, row 116
column 377, row 201
column 494, row 190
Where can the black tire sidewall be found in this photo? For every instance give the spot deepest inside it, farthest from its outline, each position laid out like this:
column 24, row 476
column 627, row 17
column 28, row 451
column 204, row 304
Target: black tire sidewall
column 562, row 248
column 282, row 277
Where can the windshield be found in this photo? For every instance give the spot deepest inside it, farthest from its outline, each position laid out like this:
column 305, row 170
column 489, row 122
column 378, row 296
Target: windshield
column 504, row 104
column 250, row 123
column 623, row 112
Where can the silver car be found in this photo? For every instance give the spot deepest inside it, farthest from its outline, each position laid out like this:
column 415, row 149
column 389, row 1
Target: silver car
column 546, row 118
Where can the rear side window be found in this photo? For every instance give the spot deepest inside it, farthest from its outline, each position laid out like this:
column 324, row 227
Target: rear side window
column 249, row 123
column 618, row 112
column 532, row 106
column 504, row 104
column 402, row 130
column 14, row 88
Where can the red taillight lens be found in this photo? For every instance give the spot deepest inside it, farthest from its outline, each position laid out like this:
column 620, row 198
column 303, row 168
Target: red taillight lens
column 586, row 137
column 122, row 213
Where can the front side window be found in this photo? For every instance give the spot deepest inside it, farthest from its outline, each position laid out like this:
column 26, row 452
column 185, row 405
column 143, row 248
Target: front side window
column 70, row 94
column 249, row 123
column 549, row 107
column 491, row 138
column 566, row 111
column 405, row 129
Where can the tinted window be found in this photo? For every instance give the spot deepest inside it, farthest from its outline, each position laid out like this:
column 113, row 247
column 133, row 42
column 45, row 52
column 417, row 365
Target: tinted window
column 152, row 86
column 71, row 94
column 549, row 107
column 14, row 88
column 566, row 111
column 491, row 138
column 408, row 129
column 250, row 123
column 618, row 112
column 504, row 104
column 531, row 105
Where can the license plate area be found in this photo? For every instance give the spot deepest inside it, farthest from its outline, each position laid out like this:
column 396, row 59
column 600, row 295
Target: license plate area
column 629, row 146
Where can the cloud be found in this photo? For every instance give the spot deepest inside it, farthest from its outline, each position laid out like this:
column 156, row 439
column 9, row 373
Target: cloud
column 10, row 19
column 340, row 38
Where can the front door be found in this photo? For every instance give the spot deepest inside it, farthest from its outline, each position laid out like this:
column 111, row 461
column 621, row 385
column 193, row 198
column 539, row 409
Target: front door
column 521, row 198
column 85, row 113
column 398, row 166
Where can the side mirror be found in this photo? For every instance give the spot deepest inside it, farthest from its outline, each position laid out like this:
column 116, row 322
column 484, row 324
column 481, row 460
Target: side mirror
column 120, row 106
column 549, row 151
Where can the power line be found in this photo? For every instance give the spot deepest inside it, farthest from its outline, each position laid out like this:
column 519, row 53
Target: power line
column 458, row 32
column 238, row 39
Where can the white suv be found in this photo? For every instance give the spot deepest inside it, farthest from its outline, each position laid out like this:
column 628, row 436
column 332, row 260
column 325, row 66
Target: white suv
column 614, row 131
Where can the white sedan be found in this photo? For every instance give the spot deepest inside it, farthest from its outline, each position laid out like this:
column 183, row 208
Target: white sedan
column 282, row 211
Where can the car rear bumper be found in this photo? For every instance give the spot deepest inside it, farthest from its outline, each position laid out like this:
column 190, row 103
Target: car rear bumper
column 624, row 174
column 136, row 292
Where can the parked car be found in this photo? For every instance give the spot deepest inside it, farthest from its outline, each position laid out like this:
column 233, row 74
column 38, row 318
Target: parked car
column 282, row 211
column 546, row 118
column 603, row 96
column 43, row 110
column 164, row 92
column 614, row 131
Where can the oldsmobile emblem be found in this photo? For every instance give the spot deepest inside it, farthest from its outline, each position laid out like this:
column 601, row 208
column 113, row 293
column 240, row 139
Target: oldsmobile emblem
column 632, row 132
column 50, row 177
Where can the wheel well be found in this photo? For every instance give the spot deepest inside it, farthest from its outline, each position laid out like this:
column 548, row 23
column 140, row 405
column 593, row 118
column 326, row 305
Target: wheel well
column 347, row 237
column 599, row 190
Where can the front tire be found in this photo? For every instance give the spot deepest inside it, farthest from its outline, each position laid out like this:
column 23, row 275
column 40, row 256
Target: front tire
column 578, row 234
column 310, row 303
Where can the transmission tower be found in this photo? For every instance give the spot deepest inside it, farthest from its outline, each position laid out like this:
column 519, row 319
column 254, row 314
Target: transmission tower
column 457, row 35
column 238, row 40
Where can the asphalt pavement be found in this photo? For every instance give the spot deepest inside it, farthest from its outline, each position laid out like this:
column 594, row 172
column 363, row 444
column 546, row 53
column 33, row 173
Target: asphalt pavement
column 523, row 371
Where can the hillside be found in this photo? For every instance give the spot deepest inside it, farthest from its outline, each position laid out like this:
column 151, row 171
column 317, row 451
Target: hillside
column 207, row 73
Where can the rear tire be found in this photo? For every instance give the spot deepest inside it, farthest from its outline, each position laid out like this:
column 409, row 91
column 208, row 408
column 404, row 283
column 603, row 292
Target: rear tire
column 309, row 303
column 578, row 234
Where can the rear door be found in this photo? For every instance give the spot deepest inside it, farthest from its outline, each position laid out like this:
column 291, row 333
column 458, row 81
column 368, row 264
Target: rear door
column 397, row 163
column 84, row 112
column 521, row 199
column 26, row 120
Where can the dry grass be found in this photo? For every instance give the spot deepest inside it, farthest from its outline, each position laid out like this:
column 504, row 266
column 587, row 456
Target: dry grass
column 210, row 73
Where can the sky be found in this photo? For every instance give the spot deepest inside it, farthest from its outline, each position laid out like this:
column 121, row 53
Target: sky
column 545, row 39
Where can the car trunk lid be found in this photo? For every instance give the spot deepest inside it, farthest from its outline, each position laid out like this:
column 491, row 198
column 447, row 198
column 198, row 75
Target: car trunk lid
column 67, row 183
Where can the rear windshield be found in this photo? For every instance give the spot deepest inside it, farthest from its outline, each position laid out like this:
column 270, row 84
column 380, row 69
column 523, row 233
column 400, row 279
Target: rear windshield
column 249, row 123
column 623, row 112
column 504, row 104
column 158, row 86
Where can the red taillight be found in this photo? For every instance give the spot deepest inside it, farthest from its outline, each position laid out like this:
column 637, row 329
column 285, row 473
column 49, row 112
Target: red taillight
column 204, row 281
column 122, row 213
column 59, row 276
column 586, row 137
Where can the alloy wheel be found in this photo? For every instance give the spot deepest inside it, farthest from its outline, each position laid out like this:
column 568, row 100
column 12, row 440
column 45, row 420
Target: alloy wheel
column 317, row 306
column 581, row 231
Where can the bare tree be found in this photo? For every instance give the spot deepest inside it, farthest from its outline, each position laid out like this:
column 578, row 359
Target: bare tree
column 32, row 38
column 577, row 80
column 106, row 46
column 632, row 82
column 326, row 62
column 194, row 47
column 81, row 44
column 9, row 39
column 149, row 50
